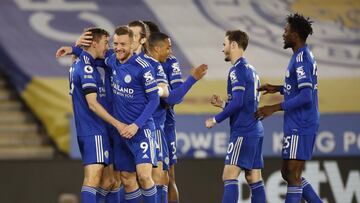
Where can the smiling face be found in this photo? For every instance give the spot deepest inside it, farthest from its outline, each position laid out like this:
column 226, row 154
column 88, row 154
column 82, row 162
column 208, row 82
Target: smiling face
column 122, row 47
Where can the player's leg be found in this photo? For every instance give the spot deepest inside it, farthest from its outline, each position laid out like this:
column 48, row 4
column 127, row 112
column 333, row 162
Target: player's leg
column 125, row 170
column 160, row 173
column 94, row 151
column 232, row 171
column 254, row 180
column 254, row 177
column 170, row 132
column 173, row 191
column 90, row 192
column 231, row 183
column 291, row 172
column 297, row 149
column 143, row 149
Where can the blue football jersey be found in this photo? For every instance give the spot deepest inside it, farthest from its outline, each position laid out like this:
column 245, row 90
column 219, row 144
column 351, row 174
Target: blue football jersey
column 133, row 83
column 83, row 77
column 301, row 73
column 243, row 77
column 160, row 77
column 173, row 73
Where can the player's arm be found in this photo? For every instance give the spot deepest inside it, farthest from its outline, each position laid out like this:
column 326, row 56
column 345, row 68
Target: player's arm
column 238, row 85
column 271, row 89
column 151, row 90
column 99, row 110
column 304, row 97
column 89, row 87
column 217, row 101
column 176, row 95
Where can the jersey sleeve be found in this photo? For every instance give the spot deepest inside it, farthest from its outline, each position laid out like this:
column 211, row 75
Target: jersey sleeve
column 237, row 80
column 148, row 81
column 174, row 73
column 160, row 75
column 303, row 69
column 87, row 78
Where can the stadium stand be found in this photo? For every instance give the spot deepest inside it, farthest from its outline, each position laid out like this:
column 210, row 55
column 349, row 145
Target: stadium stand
column 20, row 133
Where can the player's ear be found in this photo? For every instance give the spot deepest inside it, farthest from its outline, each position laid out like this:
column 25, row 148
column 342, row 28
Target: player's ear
column 233, row 45
column 143, row 41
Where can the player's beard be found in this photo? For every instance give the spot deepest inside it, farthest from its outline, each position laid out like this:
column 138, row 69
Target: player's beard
column 287, row 44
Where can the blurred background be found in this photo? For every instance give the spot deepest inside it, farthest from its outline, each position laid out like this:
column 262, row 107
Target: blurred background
column 39, row 159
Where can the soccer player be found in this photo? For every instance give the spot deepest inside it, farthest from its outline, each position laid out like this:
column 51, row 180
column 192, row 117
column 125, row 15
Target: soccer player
column 300, row 106
column 246, row 132
column 141, row 34
column 89, row 99
column 135, row 100
column 174, row 75
column 159, row 50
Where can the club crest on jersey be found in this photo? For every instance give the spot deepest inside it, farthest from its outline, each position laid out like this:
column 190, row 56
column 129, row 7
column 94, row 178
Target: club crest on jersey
column 88, row 69
column 300, row 72
column 127, row 78
column 233, row 77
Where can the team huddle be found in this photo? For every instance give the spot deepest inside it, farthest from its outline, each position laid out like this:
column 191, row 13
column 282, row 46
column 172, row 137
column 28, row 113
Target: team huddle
column 123, row 101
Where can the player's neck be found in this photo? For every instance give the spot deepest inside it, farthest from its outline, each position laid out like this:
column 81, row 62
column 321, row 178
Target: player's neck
column 153, row 55
column 236, row 55
column 297, row 46
column 126, row 59
column 91, row 52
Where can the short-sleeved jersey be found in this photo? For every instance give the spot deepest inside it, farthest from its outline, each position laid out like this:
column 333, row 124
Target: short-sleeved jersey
column 160, row 77
column 133, row 83
column 301, row 73
column 243, row 77
column 173, row 73
column 83, row 77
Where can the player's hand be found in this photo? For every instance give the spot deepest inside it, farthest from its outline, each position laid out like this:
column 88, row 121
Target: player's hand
column 269, row 89
column 85, row 39
column 120, row 127
column 209, row 123
column 130, row 130
column 199, row 71
column 266, row 111
column 217, row 101
column 63, row 51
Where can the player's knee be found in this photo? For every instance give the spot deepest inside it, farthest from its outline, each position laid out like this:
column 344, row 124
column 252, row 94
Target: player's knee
column 251, row 178
column 93, row 181
column 108, row 183
column 292, row 177
column 144, row 178
column 128, row 180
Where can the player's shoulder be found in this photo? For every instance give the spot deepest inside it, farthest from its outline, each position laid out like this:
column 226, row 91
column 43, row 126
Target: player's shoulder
column 171, row 59
column 140, row 62
column 304, row 56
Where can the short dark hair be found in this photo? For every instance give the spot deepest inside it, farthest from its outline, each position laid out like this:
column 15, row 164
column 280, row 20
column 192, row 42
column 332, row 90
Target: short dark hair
column 238, row 36
column 144, row 33
column 124, row 30
column 155, row 38
column 300, row 24
column 152, row 26
column 97, row 33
